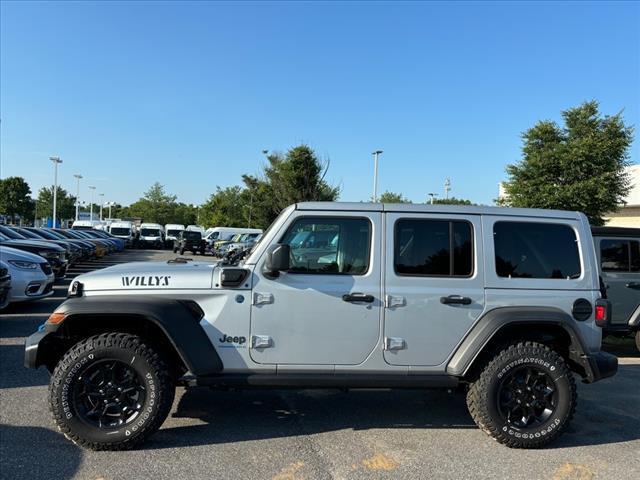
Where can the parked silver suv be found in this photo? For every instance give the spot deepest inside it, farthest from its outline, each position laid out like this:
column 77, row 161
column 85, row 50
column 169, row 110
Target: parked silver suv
column 618, row 251
column 504, row 303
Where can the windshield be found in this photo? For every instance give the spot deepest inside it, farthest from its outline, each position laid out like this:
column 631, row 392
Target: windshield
column 150, row 232
column 82, row 227
column 190, row 235
column 173, row 233
column 120, row 231
column 213, row 236
column 27, row 234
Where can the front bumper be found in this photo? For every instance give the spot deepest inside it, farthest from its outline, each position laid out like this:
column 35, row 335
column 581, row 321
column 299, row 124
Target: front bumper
column 602, row 365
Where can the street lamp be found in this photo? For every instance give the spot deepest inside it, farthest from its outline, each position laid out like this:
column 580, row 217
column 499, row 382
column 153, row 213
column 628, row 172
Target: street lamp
column 110, row 204
column 92, row 188
column 56, row 161
column 101, row 195
column 375, row 174
column 78, row 177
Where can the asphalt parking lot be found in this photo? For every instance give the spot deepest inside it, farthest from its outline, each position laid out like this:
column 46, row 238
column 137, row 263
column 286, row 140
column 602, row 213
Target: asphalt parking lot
column 287, row 435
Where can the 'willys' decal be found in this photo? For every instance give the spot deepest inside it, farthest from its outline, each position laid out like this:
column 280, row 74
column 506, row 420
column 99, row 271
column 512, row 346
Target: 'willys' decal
column 150, row 281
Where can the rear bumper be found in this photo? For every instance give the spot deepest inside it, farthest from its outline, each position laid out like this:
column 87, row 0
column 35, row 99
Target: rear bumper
column 602, row 365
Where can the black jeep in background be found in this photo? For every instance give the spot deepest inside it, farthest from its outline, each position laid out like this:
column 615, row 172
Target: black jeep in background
column 188, row 240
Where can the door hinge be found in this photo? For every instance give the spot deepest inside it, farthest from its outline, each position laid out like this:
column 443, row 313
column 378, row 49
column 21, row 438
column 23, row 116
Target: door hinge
column 261, row 341
column 262, row 298
column 394, row 343
column 391, row 301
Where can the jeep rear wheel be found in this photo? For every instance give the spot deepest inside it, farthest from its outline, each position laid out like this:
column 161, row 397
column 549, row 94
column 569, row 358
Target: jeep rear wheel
column 110, row 392
column 638, row 340
column 525, row 397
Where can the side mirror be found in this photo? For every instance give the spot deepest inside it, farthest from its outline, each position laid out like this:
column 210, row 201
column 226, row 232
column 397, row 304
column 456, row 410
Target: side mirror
column 277, row 259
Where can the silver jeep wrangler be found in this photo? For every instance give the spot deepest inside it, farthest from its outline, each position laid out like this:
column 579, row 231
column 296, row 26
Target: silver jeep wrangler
column 503, row 303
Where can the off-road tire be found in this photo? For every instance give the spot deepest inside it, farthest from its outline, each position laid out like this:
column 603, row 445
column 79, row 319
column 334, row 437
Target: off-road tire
column 175, row 250
column 182, row 251
column 482, row 397
column 638, row 340
column 151, row 370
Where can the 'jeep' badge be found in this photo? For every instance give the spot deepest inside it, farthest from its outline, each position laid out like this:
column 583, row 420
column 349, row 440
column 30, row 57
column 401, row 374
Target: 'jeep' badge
column 148, row 281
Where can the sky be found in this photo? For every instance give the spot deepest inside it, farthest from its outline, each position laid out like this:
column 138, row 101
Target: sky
column 190, row 94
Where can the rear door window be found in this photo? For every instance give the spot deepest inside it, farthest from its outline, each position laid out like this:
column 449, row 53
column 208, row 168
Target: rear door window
column 536, row 250
column 433, row 248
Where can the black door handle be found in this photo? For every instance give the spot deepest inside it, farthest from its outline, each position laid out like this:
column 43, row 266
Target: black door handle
column 634, row 285
column 455, row 300
column 357, row 297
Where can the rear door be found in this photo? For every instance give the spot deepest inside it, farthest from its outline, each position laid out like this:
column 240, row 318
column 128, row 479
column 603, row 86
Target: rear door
column 434, row 287
column 620, row 266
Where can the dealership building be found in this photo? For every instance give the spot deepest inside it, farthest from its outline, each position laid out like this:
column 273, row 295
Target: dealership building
column 628, row 215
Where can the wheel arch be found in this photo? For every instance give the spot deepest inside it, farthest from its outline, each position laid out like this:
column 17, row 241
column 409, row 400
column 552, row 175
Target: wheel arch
column 501, row 326
column 173, row 326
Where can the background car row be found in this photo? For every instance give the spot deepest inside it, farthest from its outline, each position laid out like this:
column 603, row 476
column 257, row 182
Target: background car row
column 32, row 259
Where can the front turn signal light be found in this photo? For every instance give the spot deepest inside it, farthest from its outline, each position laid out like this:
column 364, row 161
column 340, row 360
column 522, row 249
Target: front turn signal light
column 56, row 318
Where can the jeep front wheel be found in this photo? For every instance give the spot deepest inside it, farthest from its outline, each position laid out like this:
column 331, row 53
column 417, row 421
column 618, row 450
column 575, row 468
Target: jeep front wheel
column 525, row 397
column 110, row 392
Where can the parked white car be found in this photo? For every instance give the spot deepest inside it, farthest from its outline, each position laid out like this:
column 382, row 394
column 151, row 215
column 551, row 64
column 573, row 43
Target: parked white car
column 5, row 285
column 31, row 276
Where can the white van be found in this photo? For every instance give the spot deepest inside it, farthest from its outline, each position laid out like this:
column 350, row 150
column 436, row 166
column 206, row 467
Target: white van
column 124, row 230
column 86, row 224
column 216, row 234
column 195, row 228
column 151, row 235
column 172, row 230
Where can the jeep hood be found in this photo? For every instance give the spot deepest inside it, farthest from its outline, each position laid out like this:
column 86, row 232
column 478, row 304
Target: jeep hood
column 149, row 276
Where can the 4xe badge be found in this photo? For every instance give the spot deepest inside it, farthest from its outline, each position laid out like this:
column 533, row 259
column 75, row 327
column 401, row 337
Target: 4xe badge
column 231, row 342
column 147, row 281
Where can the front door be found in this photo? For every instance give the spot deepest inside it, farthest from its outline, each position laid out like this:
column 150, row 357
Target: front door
column 433, row 285
column 326, row 309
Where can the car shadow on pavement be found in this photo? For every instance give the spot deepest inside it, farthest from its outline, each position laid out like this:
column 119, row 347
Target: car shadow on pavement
column 263, row 414
column 606, row 414
column 14, row 374
column 54, row 458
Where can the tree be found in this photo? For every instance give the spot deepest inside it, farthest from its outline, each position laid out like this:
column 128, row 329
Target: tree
column 15, row 197
column 451, row 201
column 65, row 204
column 224, row 208
column 297, row 176
column 392, row 197
column 156, row 206
column 580, row 166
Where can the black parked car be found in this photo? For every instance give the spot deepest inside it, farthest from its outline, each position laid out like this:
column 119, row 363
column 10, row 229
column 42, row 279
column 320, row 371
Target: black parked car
column 189, row 240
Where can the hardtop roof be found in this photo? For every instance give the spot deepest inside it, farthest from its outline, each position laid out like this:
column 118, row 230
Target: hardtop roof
column 428, row 208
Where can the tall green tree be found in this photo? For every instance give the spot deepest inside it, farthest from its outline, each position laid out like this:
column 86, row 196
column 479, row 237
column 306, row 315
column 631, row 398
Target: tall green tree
column 15, row 198
column 577, row 166
column 392, row 197
column 224, row 208
column 65, row 204
column 155, row 206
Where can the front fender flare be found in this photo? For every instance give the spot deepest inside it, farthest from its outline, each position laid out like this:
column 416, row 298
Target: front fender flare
column 179, row 320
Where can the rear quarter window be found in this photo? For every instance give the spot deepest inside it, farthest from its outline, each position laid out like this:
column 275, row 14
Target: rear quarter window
column 536, row 250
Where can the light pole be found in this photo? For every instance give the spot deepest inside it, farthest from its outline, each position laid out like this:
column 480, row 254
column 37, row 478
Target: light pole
column 56, row 161
column 110, row 204
column 432, row 195
column 93, row 189
column 78, row 177
column 447, row 188
column 375, row 174
column 101, row 195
